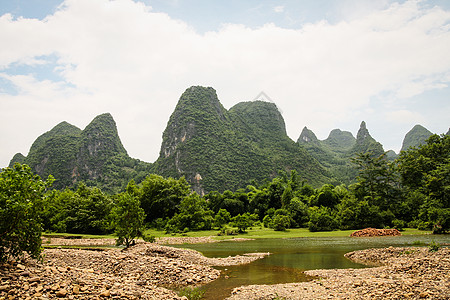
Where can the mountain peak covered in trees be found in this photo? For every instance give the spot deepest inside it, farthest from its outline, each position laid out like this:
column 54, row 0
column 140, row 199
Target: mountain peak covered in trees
column 212, row 147
column 216, row 149
column 94, row 155
column 415, row 137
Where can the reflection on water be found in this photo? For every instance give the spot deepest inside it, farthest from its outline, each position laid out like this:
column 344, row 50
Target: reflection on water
column 290, row 257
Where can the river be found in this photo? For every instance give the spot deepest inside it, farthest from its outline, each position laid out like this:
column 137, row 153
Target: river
column 290, row 257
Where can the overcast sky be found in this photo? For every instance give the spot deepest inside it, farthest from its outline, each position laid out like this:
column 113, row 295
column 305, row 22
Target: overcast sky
column 326, row 64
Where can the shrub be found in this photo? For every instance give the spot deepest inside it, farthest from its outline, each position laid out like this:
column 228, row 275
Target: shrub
column 433, row 247
column 21, row 197
column 191, row 293
column 281, row 222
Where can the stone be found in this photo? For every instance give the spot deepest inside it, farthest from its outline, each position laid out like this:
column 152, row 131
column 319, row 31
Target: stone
column 34, row 279
column 4, row 288
column 61, row 293
column 76, row 289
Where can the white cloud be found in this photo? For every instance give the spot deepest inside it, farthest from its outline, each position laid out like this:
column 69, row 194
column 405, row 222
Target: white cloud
column 278, row 9
column 120, row 57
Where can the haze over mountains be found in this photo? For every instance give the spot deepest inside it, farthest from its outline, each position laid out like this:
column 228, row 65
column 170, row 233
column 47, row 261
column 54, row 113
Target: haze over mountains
column 214, row 148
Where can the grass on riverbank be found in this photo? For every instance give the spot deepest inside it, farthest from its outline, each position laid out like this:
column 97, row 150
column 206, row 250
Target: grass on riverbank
column 253, row 233
column 267, row 233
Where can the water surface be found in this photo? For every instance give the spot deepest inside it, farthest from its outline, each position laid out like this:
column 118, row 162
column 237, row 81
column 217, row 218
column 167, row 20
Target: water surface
column 290, row 257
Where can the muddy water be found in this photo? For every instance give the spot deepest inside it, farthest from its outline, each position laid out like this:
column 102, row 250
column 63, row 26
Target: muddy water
column 290, row 257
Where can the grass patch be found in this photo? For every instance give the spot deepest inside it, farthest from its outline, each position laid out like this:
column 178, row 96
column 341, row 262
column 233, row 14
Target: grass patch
column 254, row 233
column 77, row 236
column 267, row 233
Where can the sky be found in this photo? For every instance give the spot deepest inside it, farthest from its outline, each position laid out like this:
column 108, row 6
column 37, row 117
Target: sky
column 325, row 63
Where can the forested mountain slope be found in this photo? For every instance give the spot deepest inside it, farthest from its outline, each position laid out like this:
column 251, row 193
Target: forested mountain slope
column 94, row 155
column 216, row 149
column 335, row 152
column 415, row 137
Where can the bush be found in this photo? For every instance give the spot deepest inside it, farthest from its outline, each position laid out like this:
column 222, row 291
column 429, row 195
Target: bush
column 399, row 224
column 191, row 293
column 21, row 202
column 281, row 222
column 321, row 219
column 433, row 247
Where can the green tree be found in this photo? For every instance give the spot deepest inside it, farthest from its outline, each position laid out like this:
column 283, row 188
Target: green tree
column 322, row 219
column 425, row 175
column 298, row 211
column 85, row 210
column 377, row 182
column 281, row 222
column 356, row 214
column 193, row 215
column 244, row 221
column 128, row 219
column 21, row 200
column 161, row 196
column 221, row 218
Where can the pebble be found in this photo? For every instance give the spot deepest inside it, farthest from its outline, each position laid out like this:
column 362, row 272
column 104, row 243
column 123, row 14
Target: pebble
column 402, row 273
column 137, row 272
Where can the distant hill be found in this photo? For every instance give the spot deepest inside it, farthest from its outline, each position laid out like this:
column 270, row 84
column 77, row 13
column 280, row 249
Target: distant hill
column 415, row 137
column 94, row 155
column 216, row 149
column 334, row 153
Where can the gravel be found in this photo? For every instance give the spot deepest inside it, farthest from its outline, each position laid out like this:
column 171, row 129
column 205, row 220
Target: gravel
column 402, row 273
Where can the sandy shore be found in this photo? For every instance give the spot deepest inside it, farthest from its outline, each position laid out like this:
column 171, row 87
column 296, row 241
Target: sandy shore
column 402, row 273
column 141, row 272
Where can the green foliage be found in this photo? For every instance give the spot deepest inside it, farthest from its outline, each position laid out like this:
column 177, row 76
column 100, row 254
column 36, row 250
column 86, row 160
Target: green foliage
column 221, row 218
column 425, row 175
column 85, row 210
column 244, row 221
column 433, row 247
column 194, row 215
column 322, row 219
column 128, row 219
column 357, row 214
column 21, row 199
column 281, row 222
column 191, row 293
column 298, row 211
column 160, row 197
column 216, row 149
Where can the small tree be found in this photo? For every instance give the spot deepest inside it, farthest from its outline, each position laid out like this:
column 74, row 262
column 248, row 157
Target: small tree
column 21, row 197
column 221, row 218
column 281, row 223
column 128, row 219
column 242, row 222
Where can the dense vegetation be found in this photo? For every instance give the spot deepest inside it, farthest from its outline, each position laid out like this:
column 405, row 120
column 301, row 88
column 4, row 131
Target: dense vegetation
column 335, row 152
column 412, row 191
column 94, row 156
column 218, row 150
column 228, row 170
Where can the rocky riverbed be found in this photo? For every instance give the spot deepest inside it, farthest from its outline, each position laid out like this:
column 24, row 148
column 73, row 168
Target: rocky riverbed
column 141, row 272
column 401, row 273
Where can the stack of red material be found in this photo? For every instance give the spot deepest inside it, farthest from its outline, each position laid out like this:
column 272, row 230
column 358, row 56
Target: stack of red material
column 368, row 232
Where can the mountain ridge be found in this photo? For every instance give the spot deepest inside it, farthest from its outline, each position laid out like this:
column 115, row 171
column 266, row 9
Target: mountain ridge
column 214, row 148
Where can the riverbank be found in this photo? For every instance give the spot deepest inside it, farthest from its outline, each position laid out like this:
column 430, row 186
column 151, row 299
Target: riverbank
column 144, row 271
column 401, row 273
